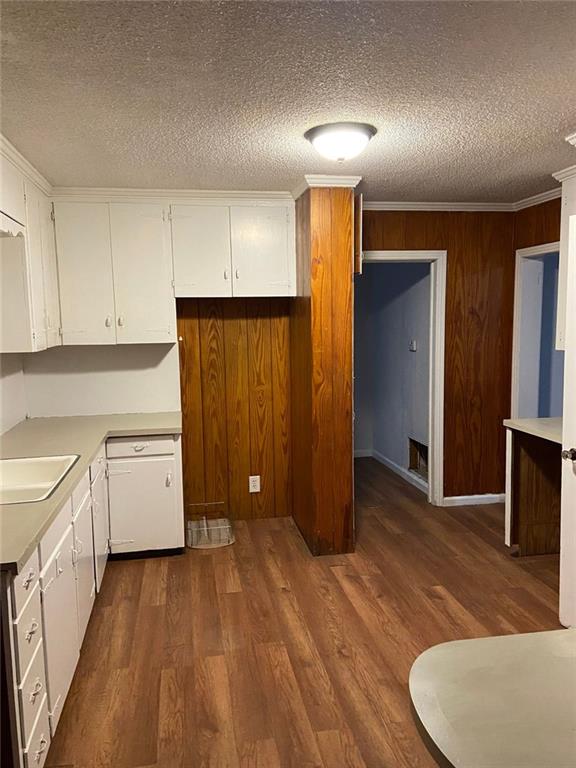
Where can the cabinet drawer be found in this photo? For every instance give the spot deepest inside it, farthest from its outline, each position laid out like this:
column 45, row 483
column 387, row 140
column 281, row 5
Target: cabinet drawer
column 24, row 583
column 55, row 532
column 79, row 493
column 37, row 748
column 99, row 463
column 155, row 445
column 28, row 630
column 31, row 692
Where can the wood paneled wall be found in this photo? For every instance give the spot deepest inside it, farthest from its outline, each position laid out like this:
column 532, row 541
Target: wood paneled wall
column 480, row 285
column 479, row 317
column 321, row 361
column 235, row 385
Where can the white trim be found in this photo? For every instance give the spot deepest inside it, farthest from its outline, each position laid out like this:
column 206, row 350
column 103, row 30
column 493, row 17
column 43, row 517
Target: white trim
column 323, row 180
column 571, row 139
column 522, row 253
column 508, row 494
column 472, row 501
column 437, row 260
column 527, row 202
column 8, row 150
column 567, row 173
column 405, row 474
column 199, row 196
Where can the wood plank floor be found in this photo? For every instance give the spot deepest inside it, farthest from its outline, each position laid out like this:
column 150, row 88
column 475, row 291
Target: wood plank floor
column 261, row 656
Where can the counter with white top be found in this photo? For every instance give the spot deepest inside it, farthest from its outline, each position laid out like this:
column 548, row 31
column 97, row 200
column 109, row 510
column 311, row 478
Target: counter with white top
column 533, row 485
column 503, row 702
column 23, row 525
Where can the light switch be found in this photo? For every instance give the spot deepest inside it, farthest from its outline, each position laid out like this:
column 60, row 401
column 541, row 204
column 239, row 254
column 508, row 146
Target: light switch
column 254, row 483
column 413, row 347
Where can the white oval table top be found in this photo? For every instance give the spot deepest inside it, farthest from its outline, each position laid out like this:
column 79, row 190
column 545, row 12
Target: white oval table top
column 500, row 702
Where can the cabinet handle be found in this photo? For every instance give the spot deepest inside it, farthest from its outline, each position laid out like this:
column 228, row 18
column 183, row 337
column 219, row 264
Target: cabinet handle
column 121, row 320
column 168, row 479
column 80, row 546
column 226, row 274
column 59, row 569
column 108, row 321
column 237, row 274
column 32, row 630
column 28, row 580
column 41, row 749
column 140, row 446
column 36, row 690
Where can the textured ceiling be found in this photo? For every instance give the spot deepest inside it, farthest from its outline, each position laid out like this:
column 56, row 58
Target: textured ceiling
column 472, row 101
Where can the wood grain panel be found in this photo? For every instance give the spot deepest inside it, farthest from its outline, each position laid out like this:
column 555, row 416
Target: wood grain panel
column 235, row 384
column 538, row 224
column 479, row 302
column 321, row 360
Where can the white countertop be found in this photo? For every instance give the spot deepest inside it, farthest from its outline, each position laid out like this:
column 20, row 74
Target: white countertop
column 23, row 525
column 547, row 429
column 500, row 702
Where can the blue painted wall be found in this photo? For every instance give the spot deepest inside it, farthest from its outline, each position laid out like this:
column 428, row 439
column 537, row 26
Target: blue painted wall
column 550, row 391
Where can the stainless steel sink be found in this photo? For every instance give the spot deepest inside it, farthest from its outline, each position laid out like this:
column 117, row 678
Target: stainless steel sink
column 32, row 479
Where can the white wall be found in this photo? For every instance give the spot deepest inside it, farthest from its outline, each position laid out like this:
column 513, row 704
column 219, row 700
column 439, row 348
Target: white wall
column 392, row 383
column 12, row 394
column 70, row 381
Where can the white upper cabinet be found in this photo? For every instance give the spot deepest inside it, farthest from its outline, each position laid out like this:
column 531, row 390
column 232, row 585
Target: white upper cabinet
column 35, row 201
column 16, row 334
column 50, row 270
column 12, row 202
column 242, row 250
column 568, row 178
column 262, row 240
column 85, row 272
column 145, row 306
column 201, row 250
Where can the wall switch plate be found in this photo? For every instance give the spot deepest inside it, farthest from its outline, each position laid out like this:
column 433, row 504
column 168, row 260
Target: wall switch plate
column 254, row 483
column 413, row 346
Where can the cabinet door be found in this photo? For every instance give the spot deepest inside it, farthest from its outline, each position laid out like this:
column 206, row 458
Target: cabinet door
column 85, row 272
column 60, row 624
column 50, row 267
column 100, row 525
column 143, row 504
column 84, row 565
column 12, row 202
column 15, row 299
column 201, row 250
column 263, row 256
column 34, row 211
column 145, row 305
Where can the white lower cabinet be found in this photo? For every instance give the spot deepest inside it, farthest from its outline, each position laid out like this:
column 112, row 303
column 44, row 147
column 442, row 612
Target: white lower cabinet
column 37, row 747
column 60, row 624
column 145, row 495
column 84, row 564
column 100, row 522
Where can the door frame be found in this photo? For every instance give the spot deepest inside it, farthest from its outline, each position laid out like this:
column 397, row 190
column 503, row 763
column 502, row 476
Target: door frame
column 438, row 262
column 533, row 252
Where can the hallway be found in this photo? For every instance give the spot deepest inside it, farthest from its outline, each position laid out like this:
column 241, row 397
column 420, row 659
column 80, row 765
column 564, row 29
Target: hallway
column 260, row 655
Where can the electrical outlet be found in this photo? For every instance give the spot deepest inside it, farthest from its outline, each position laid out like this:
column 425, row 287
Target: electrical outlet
column 254, row 483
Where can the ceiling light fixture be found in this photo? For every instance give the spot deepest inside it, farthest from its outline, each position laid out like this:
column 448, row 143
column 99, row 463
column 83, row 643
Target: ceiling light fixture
column 340, row 141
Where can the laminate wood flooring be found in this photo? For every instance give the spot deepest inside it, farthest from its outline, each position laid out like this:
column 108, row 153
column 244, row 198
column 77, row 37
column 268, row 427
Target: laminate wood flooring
column 261, row 656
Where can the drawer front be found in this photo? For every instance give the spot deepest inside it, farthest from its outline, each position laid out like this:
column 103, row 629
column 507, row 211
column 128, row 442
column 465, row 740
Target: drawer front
column 55, row 532
column 32, row 692
column 28, row 630
column 154, row 445
column 37, row 748
column 99, row 463
column 23, row 584
column 79, row 493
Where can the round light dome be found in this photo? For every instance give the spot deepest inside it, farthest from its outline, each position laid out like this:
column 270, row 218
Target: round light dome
column 340, row 141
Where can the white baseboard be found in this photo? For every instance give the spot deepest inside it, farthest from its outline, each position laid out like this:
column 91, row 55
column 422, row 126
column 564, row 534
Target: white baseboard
column 363, row 453
column 405, row 474
column 470, row 501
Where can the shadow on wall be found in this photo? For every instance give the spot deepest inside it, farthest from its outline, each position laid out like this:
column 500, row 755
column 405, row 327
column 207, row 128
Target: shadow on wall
column 127, row 378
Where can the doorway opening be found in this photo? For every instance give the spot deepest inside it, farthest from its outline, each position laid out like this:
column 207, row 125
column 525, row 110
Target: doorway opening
column 537, row 366
column 399, row 312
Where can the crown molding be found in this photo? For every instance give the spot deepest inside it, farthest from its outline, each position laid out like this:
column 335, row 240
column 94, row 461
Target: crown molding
column 9, row 151
column 567, row 173
column 204, row 195
column 571, row 139
column 322, row 180
column 527, row 202
column 543, row 197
